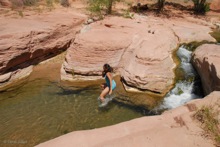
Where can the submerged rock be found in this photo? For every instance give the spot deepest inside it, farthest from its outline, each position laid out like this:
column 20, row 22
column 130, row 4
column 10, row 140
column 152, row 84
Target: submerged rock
column 206, row 60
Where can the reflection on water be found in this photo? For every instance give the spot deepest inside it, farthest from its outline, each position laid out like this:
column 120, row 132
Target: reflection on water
column 42, row 110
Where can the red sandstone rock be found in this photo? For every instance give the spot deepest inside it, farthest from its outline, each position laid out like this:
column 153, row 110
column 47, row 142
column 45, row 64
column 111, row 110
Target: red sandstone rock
column 215, row 5
column 206, row 60
column 5, row 77
column 13, row 79
column 97, row 46
column 5, row 3
column 128, row 47
column 174, row 128
column 35, row 38
column 191, row 30
column 148, row 62
column 139, row 49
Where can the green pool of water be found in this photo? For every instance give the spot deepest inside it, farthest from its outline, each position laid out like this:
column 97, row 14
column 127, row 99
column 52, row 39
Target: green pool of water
column 41, row 110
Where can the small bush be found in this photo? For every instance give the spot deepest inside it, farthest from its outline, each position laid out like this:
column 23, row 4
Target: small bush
column 127, row 14
column 21, row 3
column 65, row 3
column 201, row 6
column 20, row 13
column 96, row 6
column 30, row 2
column 49, row 3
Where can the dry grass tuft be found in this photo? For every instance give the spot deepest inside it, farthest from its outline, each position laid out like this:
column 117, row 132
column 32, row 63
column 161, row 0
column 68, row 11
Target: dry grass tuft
column 208, row 118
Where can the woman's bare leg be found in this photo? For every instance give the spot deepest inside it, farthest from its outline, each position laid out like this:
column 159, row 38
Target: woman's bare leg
column 104, row 93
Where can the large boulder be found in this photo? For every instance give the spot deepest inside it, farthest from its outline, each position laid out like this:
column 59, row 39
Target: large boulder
column 35, row 38
column 206, row 60
column 147, row 63
column 140, row 49
column 129, row 46
column 215, row 5
column 103, row 42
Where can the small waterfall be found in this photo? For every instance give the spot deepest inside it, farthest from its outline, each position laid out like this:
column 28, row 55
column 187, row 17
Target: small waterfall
column 186, row 87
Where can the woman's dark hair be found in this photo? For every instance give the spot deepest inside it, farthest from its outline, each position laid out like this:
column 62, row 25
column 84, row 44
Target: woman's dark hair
column 108, row 69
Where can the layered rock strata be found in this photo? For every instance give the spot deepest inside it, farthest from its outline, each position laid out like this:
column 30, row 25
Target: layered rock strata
column 215, row 5
column 34, row 39
column 139, row 49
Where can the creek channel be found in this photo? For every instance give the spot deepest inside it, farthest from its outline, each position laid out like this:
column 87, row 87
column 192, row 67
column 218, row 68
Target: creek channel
column 43, row 109
column 188, row 84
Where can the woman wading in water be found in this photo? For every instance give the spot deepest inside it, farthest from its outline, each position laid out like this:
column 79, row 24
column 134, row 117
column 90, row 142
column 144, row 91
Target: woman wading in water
column 110, row 83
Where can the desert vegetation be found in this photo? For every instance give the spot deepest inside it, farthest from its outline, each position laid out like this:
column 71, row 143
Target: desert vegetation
column 106, row 7
column 28, row 3
column 208, row 118
column 200, row 6
column 194, row 7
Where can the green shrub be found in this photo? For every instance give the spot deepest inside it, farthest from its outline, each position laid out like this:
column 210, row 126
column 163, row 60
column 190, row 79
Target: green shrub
column 21, row 3
column 20, row 13
column 127, row 14
column 96, row 6
column 65, row 3
column 30, row 2
column 201, row 6
column 49, row 3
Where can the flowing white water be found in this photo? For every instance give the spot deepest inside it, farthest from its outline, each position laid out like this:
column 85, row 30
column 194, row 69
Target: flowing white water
column 184, row 89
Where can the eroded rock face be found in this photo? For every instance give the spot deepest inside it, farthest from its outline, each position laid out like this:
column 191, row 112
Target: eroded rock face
column 14, row 79
column 139, row 49
column 215, row 5
column 191, row 30
column 103, row 42
column 147, row 63
column 35, row 38
column 206, row 60
column 5, row 3
column 130, row 48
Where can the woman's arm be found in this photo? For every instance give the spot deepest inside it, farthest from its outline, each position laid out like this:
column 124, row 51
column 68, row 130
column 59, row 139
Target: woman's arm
column 110, row 81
